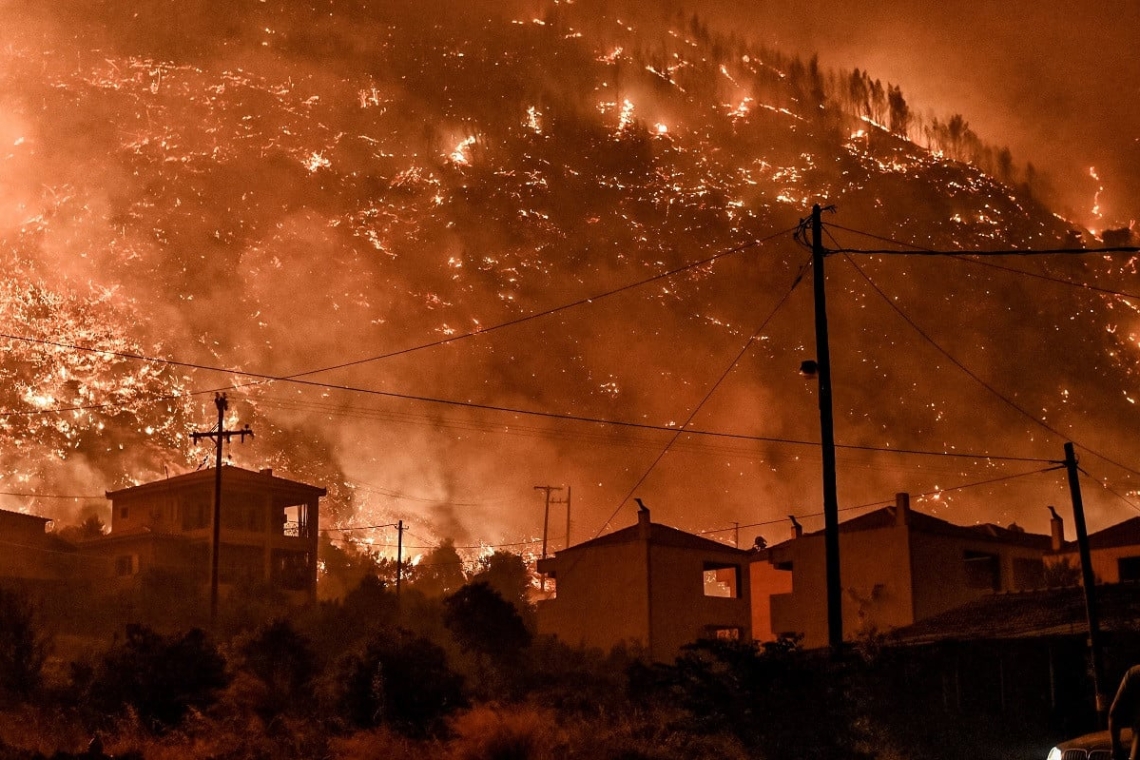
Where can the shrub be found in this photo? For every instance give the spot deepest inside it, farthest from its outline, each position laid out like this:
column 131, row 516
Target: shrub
column 401, row 681
column 283, row 661
column 159, row 678
column 23, row 646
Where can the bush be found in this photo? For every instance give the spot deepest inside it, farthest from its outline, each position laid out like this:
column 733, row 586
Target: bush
column 400, row 681
column 159, row 678
column 283, row 661
column 23, row 647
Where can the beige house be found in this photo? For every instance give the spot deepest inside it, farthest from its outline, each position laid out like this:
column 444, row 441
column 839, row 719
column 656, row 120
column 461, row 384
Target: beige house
column 269, row 531
column 648, row 585
column 897, row 566
column 1114, row 552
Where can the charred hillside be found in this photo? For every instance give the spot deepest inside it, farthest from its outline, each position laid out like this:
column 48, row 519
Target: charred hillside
column 283, row 188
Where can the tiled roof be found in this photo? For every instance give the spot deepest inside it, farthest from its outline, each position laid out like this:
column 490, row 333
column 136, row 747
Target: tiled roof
column 924, row 523
column 659, row 535
column 1126, row 533
column 238, row 475
column 1050, row 612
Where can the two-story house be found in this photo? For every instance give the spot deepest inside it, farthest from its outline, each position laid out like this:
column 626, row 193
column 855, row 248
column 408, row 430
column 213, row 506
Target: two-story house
column 648, row 585
column 268, row 531
column 897, row 566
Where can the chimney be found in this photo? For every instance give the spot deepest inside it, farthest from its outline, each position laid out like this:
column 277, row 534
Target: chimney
column 902, row 509
column 797, row 529
column 1057, row 529
column 643, row 522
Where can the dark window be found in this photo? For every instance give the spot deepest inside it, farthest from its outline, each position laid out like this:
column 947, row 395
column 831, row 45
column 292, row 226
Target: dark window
column 722, row 580
column 197, row 510
column 983, row 571
column 241, row 564
column 1129, row 568
column 123, row 512
column 292, row 570
column 125, row 565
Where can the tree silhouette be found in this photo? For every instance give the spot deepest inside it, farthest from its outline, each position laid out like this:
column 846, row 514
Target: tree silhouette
column 23, row 647
column 485, row 623
column 440, row 572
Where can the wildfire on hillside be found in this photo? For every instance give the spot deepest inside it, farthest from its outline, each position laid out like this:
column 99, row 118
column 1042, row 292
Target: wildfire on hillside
column 254, row 202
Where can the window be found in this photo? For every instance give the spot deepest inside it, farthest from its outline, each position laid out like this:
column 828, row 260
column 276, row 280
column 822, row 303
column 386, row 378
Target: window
column 126, row 565
column 197, row 510
column 722, row 580
column 238, row 563
column 1129, row 568
column 983, row 571
column 291, row 570
column 726, row 633
column 124, row 510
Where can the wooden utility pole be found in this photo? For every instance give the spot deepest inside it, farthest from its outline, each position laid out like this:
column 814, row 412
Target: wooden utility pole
column 219, row 436
column 546, row 514
column 568, row 494
column 827, row 438
column 1088, row 579
column 545, row 525
column 399, row 556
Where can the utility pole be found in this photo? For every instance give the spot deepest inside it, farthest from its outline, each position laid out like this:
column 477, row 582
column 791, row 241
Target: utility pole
column 736, row 534
column 399, row 556
column 568, row 494
column 219, row 436
column 827, row 438
column 1089, row 582
column 545, row 524
column 546, row 514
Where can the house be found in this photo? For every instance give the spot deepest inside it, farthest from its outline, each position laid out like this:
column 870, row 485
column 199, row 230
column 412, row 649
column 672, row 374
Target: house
column 1114, row 553
column 648, row 585
column 30, row 556
column 269, row 531
column 897, row 566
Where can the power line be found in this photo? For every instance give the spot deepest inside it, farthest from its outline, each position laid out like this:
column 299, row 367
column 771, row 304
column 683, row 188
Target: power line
column 533, row 412
column 884, row 503
column 898, row 310
column 547, row 312
column 964, row 257
column 731, row 366
column 1112, row 491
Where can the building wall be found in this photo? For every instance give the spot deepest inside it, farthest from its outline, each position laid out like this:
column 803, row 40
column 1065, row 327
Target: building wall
column 766, row 582
column 268, row 533
column 874, row 573
column 943, row 580
column 1105, row 562
column 601, row 597
column 892, row 577
column 681, row 612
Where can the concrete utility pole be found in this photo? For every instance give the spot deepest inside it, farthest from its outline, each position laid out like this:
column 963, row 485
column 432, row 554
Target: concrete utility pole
column 827, row 438
column 1089, row 582
column 219, row 436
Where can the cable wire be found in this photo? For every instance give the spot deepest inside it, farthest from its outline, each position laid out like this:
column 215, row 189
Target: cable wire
column 731, row 366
